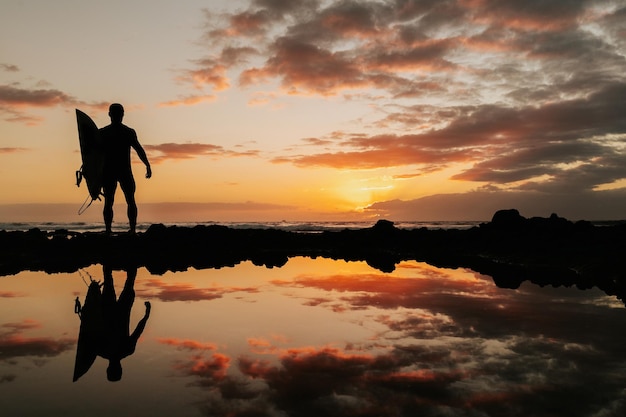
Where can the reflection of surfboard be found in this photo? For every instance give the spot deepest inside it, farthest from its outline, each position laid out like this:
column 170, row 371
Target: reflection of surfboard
column 90, row 334
column 91, row 154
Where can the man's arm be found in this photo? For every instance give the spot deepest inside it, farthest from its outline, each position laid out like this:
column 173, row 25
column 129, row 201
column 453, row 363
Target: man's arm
column 141, row 325
column 142, row 155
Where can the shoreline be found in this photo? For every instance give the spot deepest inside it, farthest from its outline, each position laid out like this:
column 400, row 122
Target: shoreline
column 510, row 248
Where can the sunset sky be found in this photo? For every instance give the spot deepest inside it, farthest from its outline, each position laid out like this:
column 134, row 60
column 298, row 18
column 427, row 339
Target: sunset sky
column 321, row 110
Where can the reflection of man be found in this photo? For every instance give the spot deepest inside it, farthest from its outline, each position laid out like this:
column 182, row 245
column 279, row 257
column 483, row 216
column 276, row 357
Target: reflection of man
column 117, row 139
column 116, row 342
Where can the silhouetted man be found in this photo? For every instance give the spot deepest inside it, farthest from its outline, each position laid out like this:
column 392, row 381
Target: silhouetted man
column 117, row 139
column 116, row 340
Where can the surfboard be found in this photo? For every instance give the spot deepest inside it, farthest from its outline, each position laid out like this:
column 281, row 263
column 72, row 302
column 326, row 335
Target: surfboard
column 90, row 333
column 91, row 154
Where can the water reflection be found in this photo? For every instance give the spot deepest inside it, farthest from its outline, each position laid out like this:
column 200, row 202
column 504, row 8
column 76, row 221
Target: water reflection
column 105, row 325
column 322, row 337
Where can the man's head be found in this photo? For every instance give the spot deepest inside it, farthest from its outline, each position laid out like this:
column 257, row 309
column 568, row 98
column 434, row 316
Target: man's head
column 114, row 371
column 116, row 112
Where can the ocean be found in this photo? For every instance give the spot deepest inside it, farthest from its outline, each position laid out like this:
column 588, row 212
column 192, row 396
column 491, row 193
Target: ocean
column 300, row 227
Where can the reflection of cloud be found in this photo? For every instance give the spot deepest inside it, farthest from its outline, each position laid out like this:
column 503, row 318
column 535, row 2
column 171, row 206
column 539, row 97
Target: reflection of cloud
column 451, row 343
column 208, row 367
column 187, row 344
column 14, row 344
column 156, row 288
column 460, row 376
column 7, row 378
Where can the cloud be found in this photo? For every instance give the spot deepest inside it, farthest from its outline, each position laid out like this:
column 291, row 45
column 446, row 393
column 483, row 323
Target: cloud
column 370, row 41
column 11, row 294
column 20, row 97
column 480, row 205
column 541, row 16
column 9, row 68
column 12, row 150
column 572, row 142
column 191, row 100
column 15, row 100
column 530, row 96
column 179, row 151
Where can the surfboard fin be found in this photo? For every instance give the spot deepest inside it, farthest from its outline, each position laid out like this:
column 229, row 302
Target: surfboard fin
column 79, row 176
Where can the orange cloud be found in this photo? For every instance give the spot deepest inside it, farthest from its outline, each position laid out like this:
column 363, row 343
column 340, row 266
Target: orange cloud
column 11, row 294
column 384, row 151
column 12, row 150
column 208, row 72
column 188, row 101
column 178, row 151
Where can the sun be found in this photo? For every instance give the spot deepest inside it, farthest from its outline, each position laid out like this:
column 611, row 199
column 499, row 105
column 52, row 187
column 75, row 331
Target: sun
column 360, row 191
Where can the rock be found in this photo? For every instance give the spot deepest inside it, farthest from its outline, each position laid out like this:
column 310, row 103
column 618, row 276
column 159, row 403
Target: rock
column 507, row 219
column 510, row 248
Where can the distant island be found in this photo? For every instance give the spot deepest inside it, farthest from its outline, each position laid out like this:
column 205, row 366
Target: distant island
column 510, row 248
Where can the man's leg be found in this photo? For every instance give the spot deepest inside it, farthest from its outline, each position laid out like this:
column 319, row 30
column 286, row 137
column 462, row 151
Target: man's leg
column 128, row 187
column 127, row 297
column 109, row 197
column 108, row 292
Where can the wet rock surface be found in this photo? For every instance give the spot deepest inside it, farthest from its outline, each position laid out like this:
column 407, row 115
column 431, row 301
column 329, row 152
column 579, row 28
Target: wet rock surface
column 510, row 249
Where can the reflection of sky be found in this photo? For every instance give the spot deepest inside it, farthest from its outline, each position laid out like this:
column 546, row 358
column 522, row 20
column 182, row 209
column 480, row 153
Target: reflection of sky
column 321, row 337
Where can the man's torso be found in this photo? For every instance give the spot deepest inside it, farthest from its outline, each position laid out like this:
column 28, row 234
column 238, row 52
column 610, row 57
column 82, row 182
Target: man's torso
column 117, row 139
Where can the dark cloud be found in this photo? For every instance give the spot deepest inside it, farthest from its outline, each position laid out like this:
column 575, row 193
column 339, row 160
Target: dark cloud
column 482, row 204
column 20, row 97
column 9, row 68
column 569, row 142
column 15, row 101
column 389, row 38
column 531, row 94
column 533, row 15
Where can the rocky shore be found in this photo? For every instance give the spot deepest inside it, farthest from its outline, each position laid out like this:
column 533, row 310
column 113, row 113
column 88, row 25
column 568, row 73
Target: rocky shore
column 510, row 248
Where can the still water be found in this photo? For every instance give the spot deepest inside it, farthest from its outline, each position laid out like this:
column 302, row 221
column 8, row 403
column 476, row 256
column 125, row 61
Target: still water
column 318, row 337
